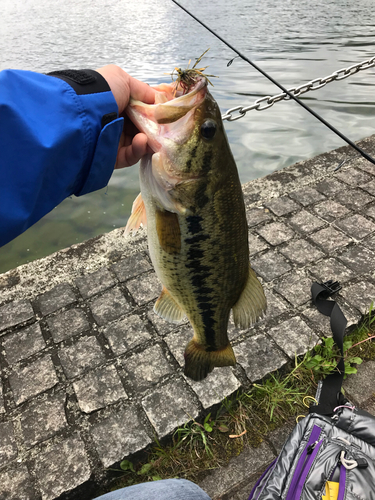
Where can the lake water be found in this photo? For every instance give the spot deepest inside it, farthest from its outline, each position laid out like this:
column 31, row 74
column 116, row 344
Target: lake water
column 294, row 41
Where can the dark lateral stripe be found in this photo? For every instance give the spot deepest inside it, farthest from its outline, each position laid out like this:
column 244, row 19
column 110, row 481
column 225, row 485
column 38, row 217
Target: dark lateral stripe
column 199, row 273
column 194, row 222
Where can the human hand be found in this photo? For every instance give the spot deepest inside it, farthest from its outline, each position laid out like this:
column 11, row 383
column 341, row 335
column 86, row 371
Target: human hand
column 133, row 144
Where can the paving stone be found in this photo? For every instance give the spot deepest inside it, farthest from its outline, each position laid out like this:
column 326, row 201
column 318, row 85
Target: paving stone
column 353, row 198
column 256, row 216
column 354, row 177
column 109, row 306
column 219, row 483
column 42, row 419
column 8, row 447
column 242, row 493
column 360, row 295
column 305, row 223
column 329, row 187
column 370, row 187
column 370, row 211
column 360, row 386
column 294, row 337
column 275, row 306
column 301, row 252
column 99, row 388
column 282, row 206
column 60, row 296
column 370, row 243
column 177, row 342
column 62, row 467
column 131, row 266
column 14, row 313
column 126, row 334
column 307, row 196
column 119, row 436
column 144, row 288
column 2, row 407
column 330, row 210
column 67, row 324
column 281, row 434
column 331, row 269
column 295, row 288
column 16, row 484
column 33, row 379
column 258, row 357
column 356, row 226
column 170, row 406
column 217, row 386
column 367, row 167
column 147, row 367
column 84, row 354
column 360, row 259
column 270, row 265
column 330, row 239
column 256, row 244
column 95, row 283
column 24, row 343
column 276, row 233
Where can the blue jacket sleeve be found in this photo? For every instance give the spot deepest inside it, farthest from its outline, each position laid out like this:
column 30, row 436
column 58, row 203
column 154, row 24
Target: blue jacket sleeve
column 58, row 136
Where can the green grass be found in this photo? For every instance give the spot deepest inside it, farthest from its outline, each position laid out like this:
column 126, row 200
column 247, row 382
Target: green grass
column 247, row 417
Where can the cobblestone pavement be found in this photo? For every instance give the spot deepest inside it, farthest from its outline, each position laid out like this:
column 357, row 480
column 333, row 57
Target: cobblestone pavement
column 89, row 374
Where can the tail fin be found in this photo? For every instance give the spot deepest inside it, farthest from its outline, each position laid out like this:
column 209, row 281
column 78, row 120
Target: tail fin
column 199, row 362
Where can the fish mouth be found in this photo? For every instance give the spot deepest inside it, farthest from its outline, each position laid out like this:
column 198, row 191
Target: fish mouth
column 171, row 117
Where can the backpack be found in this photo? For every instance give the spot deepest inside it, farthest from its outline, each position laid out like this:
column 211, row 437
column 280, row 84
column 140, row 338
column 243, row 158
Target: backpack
column 330, row 454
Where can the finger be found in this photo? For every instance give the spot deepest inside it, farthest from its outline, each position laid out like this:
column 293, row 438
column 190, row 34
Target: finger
column 141, row 91
column 130, row 155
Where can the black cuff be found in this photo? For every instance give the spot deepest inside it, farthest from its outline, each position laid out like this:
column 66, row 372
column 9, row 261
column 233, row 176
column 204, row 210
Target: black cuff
column 83, row 81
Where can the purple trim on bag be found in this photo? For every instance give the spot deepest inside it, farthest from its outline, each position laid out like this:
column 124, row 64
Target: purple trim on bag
column 259, row 481
column 342, row 483
column 306, row 470
column 314, row 436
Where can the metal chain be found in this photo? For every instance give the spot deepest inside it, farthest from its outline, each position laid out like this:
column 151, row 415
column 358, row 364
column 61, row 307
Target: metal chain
column 268, row 101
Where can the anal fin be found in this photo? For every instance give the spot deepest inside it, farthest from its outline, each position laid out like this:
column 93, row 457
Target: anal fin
column 252, row 303
column 138, row 216
column 167, row 308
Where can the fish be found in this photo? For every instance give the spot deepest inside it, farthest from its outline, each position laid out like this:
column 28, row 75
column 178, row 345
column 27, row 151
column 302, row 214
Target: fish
column 192, row 203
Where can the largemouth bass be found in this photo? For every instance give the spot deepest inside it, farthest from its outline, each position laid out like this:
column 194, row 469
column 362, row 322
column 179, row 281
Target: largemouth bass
column 192, row 202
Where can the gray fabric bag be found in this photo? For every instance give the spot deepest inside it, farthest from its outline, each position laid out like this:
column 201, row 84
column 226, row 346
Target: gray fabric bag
column 335, row 442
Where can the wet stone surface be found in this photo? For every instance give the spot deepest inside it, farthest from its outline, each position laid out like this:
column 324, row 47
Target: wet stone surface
column 67, row 324
column 89, row 374
column 60, row 296
column 32, row 379
column 14, row 313
column 24, row 343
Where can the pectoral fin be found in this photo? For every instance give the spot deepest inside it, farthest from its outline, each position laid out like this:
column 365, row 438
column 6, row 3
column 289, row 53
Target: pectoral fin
column 252, row 303
column 168, row 231
column 138, row 216
column 167, row 308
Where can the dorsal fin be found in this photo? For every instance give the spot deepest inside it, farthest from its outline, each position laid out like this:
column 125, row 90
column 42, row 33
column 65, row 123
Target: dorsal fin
column 252, row 303
column 167, row 308
column 138, row 216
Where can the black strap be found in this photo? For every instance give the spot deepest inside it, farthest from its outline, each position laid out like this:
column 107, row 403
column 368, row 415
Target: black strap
column 330, row 394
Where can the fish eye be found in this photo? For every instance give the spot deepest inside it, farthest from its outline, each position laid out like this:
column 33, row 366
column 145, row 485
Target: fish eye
column 208, row 129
